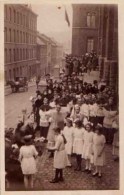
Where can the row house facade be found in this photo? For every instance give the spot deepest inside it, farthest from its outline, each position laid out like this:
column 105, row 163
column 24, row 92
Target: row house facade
column 20, row 31
column 49, row 53
column 42, row 54
column 44, row 43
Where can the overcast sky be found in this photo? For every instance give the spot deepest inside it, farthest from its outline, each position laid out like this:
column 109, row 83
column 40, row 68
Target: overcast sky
column 51, row 21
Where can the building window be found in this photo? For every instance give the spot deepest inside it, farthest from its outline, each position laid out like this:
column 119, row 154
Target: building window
column 5, row 75
column 17, row 71
column 10, row 55
column 14, row 16
column 23, row 54
column 9, row 35
column 14, row 34
column 23, row 37
column 90, row 44
column 32, row 24
column 17, row 54
column 20, row 71
column 29, row 54
column 26, row 37
column 88, row 19
column 14, row 55
column 10, row 75
column 10, row 14
column 91, row 17
column 5, row 35
column 17, row 17
column 20, row 18
column 20, row 54
column 26, row 53
column 14, row 73
column 31, row 39
column 24, row 20
column 20, row 36
column 5, row 56
column 33, row 53
column 17, row 36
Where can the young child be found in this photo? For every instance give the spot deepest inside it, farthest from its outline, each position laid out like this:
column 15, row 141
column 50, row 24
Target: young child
column 78, row 142
column 68, row 133
column 60, row 156
column 87, row 147
column 27, row 158
column 98, row 151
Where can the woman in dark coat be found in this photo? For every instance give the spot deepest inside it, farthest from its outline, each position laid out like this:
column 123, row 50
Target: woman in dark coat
column 38, row 104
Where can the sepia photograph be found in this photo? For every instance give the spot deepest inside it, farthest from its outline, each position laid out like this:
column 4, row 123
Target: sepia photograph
column 61, row 97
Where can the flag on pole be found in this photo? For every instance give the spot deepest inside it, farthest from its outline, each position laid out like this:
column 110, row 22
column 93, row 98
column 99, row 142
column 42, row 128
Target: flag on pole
column 67, row 18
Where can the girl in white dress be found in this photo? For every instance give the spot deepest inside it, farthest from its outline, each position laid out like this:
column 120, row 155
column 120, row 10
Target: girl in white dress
column 60, row 156
column 27, row 158
column 87, row 147
column 78, row 135
column 98, row 151
column 68, row 133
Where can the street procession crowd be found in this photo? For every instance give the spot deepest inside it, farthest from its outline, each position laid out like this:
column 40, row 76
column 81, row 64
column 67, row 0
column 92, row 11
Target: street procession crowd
column 74, row 119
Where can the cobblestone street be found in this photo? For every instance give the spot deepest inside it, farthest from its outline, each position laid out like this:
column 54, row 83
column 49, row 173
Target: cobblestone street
column 74, row 180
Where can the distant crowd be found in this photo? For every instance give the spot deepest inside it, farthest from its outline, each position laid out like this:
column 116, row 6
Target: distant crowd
column 80, row 64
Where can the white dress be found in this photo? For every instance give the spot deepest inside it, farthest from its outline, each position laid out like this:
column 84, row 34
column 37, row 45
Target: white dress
column 27, row 157
column 98, row 143
column 78, row 135
column 68, row 133
column 92, row 110
column 88, row 143
column 85, row 110
column 60, row 156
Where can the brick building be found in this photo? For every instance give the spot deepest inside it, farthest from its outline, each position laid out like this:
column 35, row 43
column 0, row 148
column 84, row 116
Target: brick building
column 96, row 27
column 20, row 28
column 108, row 44
column 85, row 28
